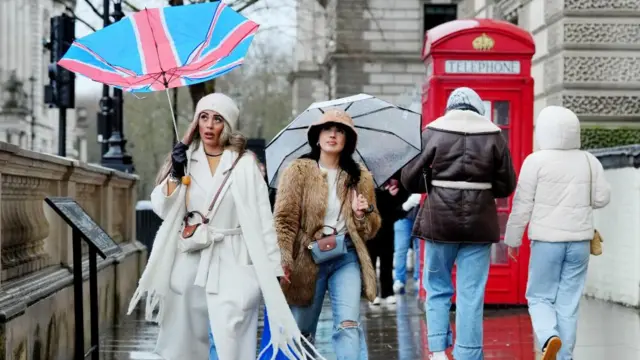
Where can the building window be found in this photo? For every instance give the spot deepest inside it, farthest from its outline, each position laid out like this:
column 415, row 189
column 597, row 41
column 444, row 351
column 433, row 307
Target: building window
column 435, row 15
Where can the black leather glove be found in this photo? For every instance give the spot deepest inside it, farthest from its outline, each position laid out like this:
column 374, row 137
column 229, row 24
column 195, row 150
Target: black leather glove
column 179, row 160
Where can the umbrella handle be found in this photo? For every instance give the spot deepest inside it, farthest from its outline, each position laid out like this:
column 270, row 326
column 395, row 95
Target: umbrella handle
column 173, row 116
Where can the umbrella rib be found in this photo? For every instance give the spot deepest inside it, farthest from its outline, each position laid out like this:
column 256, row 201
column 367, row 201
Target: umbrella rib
column 386, row 132
column 282, row 163
column 155, row 43
column 348, row 106
column 288, row 128
column 365, row 164
column 374, row 111
column 364, row 128
column 155, row 77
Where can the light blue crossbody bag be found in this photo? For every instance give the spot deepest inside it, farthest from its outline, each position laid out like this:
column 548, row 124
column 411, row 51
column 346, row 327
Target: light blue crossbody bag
column 330, row 246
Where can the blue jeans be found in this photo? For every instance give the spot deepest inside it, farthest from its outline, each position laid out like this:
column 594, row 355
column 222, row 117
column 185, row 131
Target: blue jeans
column 557, row 274
column 341, row 276
column 402, row 242
column 472, row 264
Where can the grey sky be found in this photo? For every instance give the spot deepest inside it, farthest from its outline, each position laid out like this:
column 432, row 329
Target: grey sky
column 276, row 19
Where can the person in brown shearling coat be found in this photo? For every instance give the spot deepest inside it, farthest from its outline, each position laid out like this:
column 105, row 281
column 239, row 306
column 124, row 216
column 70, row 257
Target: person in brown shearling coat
column 327, row 187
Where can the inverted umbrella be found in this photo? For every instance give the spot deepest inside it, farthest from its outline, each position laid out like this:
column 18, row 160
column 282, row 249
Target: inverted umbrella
column 388, row 136
column 162, row 48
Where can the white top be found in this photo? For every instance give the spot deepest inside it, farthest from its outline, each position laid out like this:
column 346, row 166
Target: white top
column 333, row 203
column 559, row 185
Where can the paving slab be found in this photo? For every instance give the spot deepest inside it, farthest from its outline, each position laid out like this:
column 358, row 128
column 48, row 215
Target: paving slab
column 606, row 331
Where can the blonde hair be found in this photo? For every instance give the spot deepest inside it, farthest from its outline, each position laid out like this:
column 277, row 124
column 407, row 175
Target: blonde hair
column 230, row 139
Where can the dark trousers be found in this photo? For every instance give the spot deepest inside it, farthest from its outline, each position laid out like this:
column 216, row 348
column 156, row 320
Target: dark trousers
column 381, row 247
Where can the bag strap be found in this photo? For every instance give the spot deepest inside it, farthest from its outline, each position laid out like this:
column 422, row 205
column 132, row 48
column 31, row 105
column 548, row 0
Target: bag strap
column 590, row 180
column 339, row 210
column 215, row 197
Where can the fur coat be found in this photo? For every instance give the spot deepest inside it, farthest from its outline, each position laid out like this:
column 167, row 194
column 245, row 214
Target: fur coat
column 300, row 208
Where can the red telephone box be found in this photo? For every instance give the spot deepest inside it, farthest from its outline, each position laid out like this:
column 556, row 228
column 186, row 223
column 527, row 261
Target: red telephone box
column 494, row 58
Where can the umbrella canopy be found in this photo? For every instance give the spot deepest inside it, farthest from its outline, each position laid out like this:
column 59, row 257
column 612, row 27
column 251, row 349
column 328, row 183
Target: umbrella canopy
column 388, row 136
column 162, row 48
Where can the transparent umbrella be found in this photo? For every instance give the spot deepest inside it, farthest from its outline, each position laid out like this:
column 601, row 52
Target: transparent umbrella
column 388, row 136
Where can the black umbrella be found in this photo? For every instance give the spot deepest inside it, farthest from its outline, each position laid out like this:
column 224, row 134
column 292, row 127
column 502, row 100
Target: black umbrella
column 388, row 136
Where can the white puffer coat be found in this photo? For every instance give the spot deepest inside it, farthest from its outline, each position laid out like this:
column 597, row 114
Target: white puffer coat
column 552, row 195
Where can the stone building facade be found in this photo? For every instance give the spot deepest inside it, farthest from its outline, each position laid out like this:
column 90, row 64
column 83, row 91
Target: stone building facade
column 24, row 27
column 587, row 56
column 587, row 53
column 357, row 46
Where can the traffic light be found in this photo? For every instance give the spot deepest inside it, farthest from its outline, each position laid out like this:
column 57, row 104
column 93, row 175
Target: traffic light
column 60, row 92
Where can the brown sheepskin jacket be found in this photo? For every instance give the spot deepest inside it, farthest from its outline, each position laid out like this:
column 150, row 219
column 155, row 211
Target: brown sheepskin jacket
column 301, row 203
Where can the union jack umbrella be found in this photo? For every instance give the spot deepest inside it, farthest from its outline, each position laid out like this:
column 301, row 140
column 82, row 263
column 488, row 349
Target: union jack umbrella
column 162, row 48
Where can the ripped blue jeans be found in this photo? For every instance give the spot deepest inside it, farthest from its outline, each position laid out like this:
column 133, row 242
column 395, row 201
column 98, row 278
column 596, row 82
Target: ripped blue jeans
column 341, row 277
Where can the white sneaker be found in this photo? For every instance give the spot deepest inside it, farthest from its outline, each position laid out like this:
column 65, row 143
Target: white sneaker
column 440, row 355
column 376, row 301
column 398, row 287
column 390, row 300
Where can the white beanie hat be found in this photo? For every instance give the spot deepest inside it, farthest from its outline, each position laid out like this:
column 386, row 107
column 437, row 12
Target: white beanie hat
column 222, row 104
column 464, row 98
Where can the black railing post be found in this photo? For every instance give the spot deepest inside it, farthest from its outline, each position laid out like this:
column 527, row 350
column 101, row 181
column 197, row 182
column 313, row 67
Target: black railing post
column 93, row 304
column 77, row 295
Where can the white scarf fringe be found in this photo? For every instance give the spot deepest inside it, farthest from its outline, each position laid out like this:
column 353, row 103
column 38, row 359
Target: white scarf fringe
column 154, row 282
column 299, row 344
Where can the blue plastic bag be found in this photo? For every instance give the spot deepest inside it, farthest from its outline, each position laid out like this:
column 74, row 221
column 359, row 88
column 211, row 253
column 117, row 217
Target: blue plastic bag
column 265, row 341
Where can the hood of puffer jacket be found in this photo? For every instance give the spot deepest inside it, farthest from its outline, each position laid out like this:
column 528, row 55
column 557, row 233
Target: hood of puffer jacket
column 557, row 128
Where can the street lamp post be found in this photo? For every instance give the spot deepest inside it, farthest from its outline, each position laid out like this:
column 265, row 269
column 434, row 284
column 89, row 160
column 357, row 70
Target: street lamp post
column 112, row 109
column 32, row 105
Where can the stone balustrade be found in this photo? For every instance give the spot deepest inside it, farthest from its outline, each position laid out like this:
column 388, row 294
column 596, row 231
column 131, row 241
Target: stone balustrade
column 36, row 294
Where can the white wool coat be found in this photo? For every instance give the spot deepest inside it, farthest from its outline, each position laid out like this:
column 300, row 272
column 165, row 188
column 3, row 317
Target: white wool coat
column 241, row 264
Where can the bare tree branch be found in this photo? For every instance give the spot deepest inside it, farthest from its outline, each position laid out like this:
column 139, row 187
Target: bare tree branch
column 73, row 14
column 93, row 8
column 246, row 5
column 367, row 8
column 84, row 22
column 130, row 5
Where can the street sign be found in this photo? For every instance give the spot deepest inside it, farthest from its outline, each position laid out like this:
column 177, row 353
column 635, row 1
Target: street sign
column 502, row 67
column 79, row 220
column 99, row 244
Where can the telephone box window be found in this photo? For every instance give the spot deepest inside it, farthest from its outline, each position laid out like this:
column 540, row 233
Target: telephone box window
column 501, row 113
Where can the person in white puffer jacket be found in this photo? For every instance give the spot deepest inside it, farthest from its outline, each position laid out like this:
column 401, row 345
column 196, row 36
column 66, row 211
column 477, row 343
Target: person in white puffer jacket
column 558, row 188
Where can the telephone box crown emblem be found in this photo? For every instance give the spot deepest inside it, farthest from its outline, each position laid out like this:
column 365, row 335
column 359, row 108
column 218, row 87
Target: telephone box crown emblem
column 483, row 42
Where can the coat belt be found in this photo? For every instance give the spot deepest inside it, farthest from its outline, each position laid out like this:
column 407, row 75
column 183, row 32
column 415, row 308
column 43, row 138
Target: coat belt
column 462, row 185
column 210, row 259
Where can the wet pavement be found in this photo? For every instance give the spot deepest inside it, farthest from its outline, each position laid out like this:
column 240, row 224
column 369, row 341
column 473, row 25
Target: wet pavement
column 606, row 331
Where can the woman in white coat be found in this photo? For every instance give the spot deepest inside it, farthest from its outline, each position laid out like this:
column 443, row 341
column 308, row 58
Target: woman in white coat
column 211, row 275
column 558, row 188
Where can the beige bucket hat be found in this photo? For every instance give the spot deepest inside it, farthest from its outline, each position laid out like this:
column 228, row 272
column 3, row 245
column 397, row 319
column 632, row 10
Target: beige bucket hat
column 338, row 117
